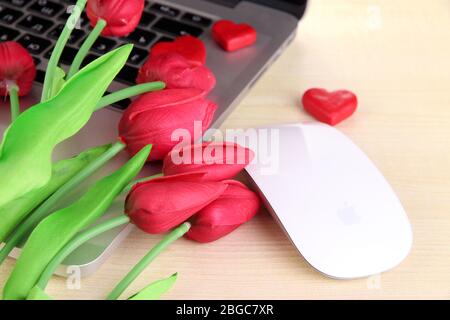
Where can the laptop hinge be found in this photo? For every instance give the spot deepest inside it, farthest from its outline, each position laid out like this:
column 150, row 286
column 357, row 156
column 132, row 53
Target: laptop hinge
column 226, row 3
column 296, row 9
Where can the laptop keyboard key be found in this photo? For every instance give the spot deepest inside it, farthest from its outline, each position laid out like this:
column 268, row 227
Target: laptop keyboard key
column 8, row 15
column 166, row 10
column 176, row 28
column 84, row 20
column 7, row 34
column 137, row 56
column 37, row 61
column 40, row 76
column 16, row 3
column 128, row 75
column 165, row 39
column 194, row 18
column 67, row 55
column 142, row 37
column 76, row 34
column 35, row 45
column 46, row 8
column 36, row 24
column 103, row 45
column 122, row 104
column 88, row 59
column 146, row 19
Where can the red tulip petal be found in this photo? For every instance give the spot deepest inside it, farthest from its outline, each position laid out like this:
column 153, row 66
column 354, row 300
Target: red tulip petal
column 233, row 208
column 161, row 204
column 153, row 117
column 176, row 72
column 121, row 16
column 220, row 160
column 163, row 99
column 204, row 234
column 16, row 66
column 191, row 48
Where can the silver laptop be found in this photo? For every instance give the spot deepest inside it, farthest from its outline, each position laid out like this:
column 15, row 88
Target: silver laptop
column 36, row 24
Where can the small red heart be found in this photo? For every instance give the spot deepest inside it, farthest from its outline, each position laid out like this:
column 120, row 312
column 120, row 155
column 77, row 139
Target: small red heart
column 330, row 107
column 231, row 36
column 191, row 48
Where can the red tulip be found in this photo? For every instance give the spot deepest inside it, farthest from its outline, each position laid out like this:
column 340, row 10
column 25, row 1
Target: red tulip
column 191, row 48
column 121, row 16
column 16, row 67
column 152, row 118
column 218, row 160
column 158, row 205
column 233, row 208
column 177, row 72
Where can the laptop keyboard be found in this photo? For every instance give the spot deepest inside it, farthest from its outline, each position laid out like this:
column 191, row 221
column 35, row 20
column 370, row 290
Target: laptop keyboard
column 37, row 25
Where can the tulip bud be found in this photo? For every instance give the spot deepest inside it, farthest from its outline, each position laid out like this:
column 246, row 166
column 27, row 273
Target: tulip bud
column 158, row 205
column 121, row 16
column 153, row 117
column 177, row 72
column 233, row 208
column 218, row 160
column 191, row 48
column 16, row 67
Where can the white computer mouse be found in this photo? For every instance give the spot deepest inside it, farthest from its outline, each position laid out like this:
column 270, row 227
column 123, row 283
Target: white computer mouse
column 333, row 203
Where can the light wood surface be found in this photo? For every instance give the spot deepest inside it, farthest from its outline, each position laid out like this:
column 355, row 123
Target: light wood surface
column 395, row 55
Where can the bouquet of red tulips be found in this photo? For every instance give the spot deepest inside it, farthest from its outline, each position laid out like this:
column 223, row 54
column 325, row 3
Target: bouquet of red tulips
column 193, row 197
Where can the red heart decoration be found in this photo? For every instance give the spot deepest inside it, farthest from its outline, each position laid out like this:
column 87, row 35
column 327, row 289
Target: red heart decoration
column 231, row 36
column 330, row 107
column 191, row 48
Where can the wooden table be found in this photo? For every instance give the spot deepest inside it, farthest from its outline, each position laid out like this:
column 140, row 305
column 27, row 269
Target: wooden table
column 396, row 56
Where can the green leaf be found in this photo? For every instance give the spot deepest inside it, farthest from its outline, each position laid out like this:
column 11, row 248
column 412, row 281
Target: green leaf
column 155, row 290
column 28, row 143
column 55, row 231
column 15, row 211
column 38, row 294
column 58, row 80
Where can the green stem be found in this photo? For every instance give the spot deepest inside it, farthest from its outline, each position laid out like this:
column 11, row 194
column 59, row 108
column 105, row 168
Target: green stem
column 59, row 47
column 132, row 184
column 145, row 261
column 87, row 45
column 13, row 91
column 46, row 207
column 130, row 92
column 75, row 243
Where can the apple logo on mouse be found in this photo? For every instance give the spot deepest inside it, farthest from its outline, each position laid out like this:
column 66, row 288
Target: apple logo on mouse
column 348, row 215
